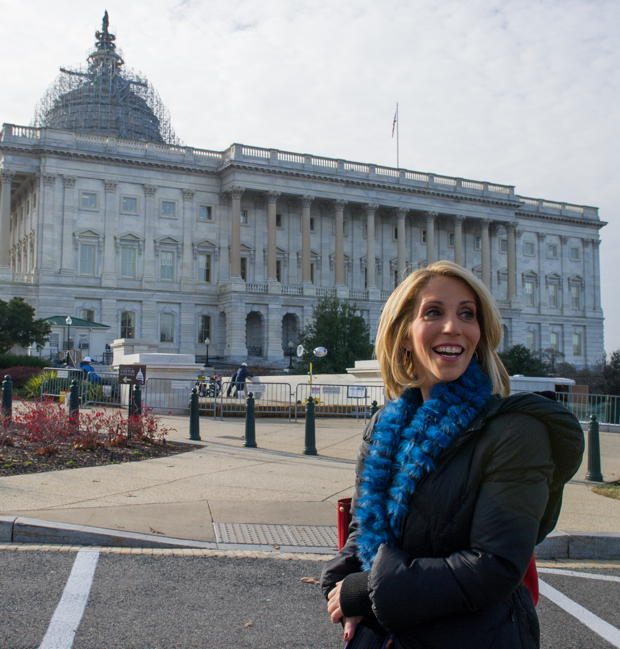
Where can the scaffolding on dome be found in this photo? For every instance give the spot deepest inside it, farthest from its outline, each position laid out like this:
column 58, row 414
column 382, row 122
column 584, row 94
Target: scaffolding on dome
column 105, row 98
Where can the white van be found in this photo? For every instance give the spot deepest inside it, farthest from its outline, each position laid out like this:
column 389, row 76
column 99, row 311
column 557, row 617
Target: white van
column 520, row 383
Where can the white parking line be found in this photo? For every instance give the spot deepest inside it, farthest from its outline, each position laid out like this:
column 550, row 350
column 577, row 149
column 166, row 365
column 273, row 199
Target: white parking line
column 575, row 573
column 598, row 625
column 68, row 614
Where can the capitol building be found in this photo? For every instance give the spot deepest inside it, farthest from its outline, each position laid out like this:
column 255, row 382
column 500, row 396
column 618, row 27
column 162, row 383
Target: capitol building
column 106, row 218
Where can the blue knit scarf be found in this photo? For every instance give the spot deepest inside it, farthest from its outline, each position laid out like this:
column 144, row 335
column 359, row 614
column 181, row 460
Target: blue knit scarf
column 405, row 444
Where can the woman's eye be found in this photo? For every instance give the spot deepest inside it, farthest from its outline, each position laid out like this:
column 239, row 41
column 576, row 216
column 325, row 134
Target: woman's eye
column 468, row 315
column 432, row 312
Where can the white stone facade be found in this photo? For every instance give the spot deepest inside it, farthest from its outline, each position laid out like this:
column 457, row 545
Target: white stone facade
column 170, row 244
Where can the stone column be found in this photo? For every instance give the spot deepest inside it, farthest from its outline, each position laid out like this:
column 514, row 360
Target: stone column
column 597, row 274
column 45, row 234
column 512, row 261
column 541, row 284
column 110, row 220
column 430, row 237
column 67, row 266
column 485, row 252
column 401, row 249
column 371, row 209
column 235, row 233
column 588, row 274
column 305, row 239
column 564, row 287
column 272, row 201
column 5, row 216
column 339, row 252
column 150, row 218
column 189, row 224
column 459, row 251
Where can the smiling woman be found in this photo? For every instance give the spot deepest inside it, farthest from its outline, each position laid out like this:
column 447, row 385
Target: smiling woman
column 456, row 482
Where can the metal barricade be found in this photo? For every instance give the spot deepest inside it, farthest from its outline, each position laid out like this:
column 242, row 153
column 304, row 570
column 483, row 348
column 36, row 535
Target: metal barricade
column 57, row 381
column 270, row 400
column 605, row 407
column 338, row 400
column 101, row 389
column 167, row 395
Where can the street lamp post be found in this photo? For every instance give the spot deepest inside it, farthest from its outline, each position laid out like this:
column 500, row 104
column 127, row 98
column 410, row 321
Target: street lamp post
column 69, row 322
column 291, row 351
column 207, row 342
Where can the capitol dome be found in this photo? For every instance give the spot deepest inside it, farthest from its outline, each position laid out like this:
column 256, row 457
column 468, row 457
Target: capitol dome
column 106, row 99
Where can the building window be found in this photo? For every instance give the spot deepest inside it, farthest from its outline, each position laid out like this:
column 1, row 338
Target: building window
column 245, row 217
column 279, row 270
column 128, row 324
column 88, row 315
column 577, row 343
column 129, row 205
column 450, row 239
column 166, row 265
column 395, row 234
column 168, row 209
column 278, row 220
column 503, row 245
column 477, row 242
column 244, row 268
column 531, row 340
column 575, row 295
column 312, row 224
column 312, row 272
column 204, row 265
column 553, row 291
column 166, row 328
column 529, row 249
column 129, row 262
column 88, row 200
column 423, row 236
column 575, row 254
column 88, row 256
column 529, row 287
column 205, row 213
column 554, row 340
column 205, row 328
column 552, row 251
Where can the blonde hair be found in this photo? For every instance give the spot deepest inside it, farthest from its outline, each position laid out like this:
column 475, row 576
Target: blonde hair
column 397, row 363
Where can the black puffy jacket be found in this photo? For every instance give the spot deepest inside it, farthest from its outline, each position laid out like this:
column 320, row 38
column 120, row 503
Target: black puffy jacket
column 454, row 579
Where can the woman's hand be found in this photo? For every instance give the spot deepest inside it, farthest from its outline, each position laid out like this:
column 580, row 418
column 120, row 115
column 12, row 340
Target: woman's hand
column 335, row 612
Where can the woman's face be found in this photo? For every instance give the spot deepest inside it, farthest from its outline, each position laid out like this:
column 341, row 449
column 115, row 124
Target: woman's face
column 444, row 332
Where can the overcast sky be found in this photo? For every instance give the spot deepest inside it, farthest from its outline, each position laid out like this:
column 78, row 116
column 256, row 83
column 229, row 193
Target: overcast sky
column 521, row 92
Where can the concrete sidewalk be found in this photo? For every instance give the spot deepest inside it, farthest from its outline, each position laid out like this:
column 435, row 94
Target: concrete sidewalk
column 225, row 496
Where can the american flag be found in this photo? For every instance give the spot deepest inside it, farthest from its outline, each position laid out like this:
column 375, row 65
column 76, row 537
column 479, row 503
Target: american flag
column 395, row 121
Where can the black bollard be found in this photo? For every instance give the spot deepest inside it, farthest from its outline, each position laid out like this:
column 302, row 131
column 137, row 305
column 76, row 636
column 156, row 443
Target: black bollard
column 74, row 404
column 7, row 399
column 250, row 423
column 194, row 416
column 374, row 407
column 135, row 410
column 137, row 400
column 594, row 452
column 310, row 440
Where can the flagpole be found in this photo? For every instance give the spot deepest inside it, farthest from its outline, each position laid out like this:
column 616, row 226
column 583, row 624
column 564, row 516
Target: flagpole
column 397, row 139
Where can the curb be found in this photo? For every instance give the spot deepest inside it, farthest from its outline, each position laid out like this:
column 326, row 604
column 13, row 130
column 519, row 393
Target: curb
column 14, row 529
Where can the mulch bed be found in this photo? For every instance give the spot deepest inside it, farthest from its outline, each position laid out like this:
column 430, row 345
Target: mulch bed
column 23, row 458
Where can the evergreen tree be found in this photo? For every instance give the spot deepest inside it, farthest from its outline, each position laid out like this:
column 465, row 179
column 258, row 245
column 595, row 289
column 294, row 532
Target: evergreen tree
column 337, row 326
column 18, row 326
column 520, row 360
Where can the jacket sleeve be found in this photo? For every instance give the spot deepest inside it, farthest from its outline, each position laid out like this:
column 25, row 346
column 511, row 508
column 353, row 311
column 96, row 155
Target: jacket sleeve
column 510, row 503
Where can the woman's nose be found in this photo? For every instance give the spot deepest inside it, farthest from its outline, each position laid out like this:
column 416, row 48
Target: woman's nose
column 451, row 324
